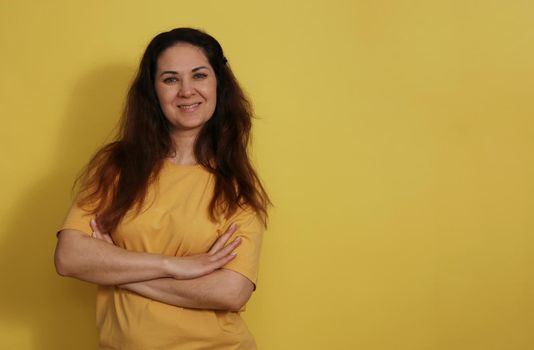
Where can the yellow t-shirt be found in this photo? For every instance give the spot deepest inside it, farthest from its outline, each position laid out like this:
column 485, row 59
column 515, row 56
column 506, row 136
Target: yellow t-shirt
column 175, row 222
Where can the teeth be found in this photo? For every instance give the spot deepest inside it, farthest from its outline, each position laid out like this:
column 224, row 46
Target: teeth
column 189, row 106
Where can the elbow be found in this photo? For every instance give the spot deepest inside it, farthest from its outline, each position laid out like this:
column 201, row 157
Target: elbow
column 235, row 306
column 62, row 272
column 61, row 264
column 64, row 257
column 237, row 298
column 235, row 290
column 232, row 305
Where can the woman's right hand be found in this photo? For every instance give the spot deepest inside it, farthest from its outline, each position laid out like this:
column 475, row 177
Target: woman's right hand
column 194, row 266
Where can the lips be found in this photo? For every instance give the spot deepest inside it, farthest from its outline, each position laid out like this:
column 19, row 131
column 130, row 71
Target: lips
column 189, row 107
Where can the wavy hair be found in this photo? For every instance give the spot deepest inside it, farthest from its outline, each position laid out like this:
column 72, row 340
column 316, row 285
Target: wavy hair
column 118, row 176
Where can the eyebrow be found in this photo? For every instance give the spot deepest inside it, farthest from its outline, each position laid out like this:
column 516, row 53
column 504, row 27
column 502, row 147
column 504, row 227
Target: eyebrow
column 175, row 72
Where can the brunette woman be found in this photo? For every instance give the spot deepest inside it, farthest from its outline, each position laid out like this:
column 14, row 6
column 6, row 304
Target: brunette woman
column 169, row 218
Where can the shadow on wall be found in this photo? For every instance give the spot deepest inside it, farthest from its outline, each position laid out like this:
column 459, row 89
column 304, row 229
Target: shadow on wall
column 44, row 310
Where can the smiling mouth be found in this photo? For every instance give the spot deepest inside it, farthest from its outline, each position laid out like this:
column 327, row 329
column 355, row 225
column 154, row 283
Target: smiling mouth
column 189, row 107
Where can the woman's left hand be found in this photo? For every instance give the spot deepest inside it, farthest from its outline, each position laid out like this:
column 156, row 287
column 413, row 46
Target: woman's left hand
column 98, row 234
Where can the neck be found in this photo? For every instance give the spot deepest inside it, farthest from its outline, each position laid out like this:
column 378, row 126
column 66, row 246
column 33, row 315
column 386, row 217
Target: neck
column 183, row 152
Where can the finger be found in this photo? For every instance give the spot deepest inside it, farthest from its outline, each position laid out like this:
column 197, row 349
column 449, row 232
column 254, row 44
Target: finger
column 108, row 238
column 217, row 264
column 97, row 235
column 225, row 260
column 228, row 249
column 224, row 250
column 94, row 226
column 221, row 241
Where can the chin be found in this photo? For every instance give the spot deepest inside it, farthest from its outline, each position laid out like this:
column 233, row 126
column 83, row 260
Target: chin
column 187, row 126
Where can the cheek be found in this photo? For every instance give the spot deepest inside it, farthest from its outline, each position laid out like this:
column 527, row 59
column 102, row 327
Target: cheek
column 213, row 101
column 164, row 95
column 212, row 92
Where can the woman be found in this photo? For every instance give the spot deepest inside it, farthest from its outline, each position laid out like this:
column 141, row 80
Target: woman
column 169, row 218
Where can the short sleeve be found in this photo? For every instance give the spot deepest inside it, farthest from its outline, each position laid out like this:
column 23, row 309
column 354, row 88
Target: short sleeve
column 250, row 228
column 77, row 219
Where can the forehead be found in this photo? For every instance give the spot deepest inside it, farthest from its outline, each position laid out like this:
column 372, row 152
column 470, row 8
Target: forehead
column 182, row 57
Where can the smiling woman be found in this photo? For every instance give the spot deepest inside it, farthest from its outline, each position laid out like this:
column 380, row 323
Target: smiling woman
column 186, row 87
column 169, row 218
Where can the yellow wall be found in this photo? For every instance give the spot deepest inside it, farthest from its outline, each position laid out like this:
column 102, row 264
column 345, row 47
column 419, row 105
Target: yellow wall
column 396, row 139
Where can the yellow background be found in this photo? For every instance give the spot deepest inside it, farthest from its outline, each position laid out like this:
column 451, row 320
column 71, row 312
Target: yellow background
column 395, row 137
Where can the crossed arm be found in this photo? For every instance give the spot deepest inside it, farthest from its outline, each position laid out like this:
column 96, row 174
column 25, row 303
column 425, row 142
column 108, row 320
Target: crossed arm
column 196, row 281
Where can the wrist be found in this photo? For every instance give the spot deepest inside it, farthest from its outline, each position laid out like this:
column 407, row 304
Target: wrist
column 168, row 265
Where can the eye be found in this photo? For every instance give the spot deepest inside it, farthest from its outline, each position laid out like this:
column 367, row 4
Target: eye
column 200, row 75
column 170, row 80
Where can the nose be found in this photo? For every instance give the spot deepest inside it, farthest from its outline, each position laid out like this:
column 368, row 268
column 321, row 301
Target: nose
column 186, row 88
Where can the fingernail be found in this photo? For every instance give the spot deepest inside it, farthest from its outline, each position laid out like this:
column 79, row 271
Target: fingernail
column 232, row 226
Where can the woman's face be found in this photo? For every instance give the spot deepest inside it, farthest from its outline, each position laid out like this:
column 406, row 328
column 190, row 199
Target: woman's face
column 186, row 87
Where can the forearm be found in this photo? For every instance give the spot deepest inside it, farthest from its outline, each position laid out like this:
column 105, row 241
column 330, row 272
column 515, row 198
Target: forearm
column 92, row 260
column 219, row 290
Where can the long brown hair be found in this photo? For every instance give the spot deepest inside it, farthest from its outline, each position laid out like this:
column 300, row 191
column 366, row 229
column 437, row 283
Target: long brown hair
column 118, row 176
